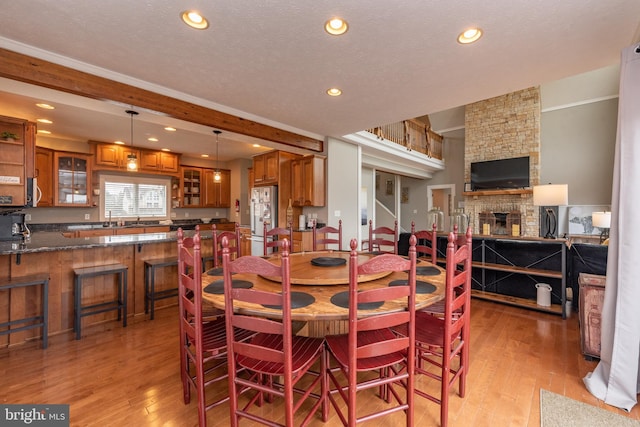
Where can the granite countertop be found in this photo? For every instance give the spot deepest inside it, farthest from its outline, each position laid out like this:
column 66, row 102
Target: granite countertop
column 44, row 241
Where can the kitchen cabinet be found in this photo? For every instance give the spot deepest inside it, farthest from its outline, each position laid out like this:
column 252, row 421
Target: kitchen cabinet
column 44, row 174
column 191, row 183
column 159, row 161
column 308, row 181
column 17, row 148
column 113, row 156
column 266, row 168
column 302, row 241
column 216, row 194
column 245, row 240
column 72, row 179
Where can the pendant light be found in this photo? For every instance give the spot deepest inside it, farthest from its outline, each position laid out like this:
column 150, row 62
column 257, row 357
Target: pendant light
column 216, row 175
column 132, row 160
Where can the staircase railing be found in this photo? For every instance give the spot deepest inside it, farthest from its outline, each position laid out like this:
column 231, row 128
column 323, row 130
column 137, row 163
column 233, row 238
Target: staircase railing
column 412, row 134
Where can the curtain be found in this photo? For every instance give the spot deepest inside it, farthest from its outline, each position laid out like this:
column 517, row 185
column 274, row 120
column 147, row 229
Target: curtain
column 616, row 379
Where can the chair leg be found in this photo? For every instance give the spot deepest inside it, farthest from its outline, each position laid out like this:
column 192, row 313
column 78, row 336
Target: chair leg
column 202, row 404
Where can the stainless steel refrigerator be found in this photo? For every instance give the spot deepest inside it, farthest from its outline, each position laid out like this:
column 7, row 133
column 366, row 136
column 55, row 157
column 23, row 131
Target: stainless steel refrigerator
column 264, row 209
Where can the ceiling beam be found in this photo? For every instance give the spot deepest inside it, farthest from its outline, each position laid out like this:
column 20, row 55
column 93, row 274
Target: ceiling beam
column 28, row 69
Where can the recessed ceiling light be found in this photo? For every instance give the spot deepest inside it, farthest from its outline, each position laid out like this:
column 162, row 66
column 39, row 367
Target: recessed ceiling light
column 256, row 145
column 45, row 121
column 195, row 20
column 45, row 132
column 119, row 142
column 45, row 106
column 170, row 129
column 204, row 155
column 165, row 149
column 469, row 36
column 334, row 91
column 152, row 139
column 336, row 26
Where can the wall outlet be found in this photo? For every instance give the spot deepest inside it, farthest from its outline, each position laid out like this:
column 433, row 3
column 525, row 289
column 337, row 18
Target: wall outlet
column 186, row 214
column 336, row 213
column 173, row 214
column 415, row 211
column 27, row 217
column 217, row 214
column 87, row 216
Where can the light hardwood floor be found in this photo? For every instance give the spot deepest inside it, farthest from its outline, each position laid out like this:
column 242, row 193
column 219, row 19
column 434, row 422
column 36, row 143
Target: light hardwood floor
column 129, row 376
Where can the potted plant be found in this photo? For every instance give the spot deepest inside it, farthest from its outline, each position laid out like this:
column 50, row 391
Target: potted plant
column 8, row 136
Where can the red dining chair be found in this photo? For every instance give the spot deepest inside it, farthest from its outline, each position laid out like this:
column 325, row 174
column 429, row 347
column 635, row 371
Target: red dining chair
column 442, row 340
column 234, row 244
column 274, row 353
column 203, row 344
column 216, row 254
column 379, row 243
column 371, row 346
column 273, row 238
column 327, row 240
column 427, row 242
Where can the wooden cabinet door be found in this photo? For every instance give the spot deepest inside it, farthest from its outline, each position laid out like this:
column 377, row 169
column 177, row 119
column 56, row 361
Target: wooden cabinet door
column 216, row 194
column 72, row 179
column 150, row 160
column 308, row 181
column 271, row 167
column 44, row 174
column 169, row 162
column 108, row 155
column 16, row 160
column 258, row 170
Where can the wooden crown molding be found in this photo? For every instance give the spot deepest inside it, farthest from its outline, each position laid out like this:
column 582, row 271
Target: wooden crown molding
column 24, row 68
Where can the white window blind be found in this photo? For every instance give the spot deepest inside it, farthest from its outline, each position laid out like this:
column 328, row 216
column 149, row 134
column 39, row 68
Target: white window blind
column 133, row 197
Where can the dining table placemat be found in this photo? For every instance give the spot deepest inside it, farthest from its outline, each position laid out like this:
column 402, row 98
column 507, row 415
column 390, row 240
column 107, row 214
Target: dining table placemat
column 421, row 286
column 217, row 287
column 298, row 300
column 325, row 261
column 218, row 271
column 341, row 299
column 427, row 270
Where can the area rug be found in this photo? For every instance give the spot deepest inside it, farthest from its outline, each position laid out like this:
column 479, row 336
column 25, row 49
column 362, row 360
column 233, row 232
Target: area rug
column 557, row 410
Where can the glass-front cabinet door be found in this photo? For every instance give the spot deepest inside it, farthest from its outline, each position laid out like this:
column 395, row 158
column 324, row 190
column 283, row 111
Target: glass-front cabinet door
column 73, row 177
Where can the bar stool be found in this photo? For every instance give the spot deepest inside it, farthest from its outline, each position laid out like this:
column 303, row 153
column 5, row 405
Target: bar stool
column 40, row 321
column 119, row 304
column 150, row 292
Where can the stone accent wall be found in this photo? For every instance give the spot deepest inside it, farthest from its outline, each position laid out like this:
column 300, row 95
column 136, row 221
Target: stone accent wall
column 500, row 128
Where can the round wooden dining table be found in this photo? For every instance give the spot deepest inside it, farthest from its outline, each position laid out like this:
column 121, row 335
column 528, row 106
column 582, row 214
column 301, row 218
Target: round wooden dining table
column 319, row 290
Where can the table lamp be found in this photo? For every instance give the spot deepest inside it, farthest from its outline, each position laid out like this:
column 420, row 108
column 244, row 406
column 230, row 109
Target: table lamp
column 548, row 196
column 602, row 220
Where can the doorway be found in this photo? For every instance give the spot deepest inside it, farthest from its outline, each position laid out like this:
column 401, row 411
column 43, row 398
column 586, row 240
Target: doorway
column 442, row 197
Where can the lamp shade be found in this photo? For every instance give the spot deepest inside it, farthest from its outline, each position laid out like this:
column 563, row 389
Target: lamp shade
column 551, row 195
column 601, row 219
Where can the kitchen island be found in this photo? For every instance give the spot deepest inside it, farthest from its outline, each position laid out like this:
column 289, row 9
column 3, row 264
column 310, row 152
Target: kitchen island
column 57, row 256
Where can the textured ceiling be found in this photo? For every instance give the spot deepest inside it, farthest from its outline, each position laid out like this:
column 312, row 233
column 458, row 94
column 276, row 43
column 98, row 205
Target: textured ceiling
column 272, row 62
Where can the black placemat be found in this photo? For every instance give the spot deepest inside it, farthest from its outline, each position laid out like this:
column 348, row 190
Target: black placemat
column 218, row 271
column 421, row 287
column 427, row 270
column 217, row 287
column 325, row 261
column 341, row 299
column 298, row 300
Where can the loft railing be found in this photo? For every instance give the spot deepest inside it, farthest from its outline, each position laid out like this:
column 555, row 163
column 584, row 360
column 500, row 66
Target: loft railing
column 412, row 134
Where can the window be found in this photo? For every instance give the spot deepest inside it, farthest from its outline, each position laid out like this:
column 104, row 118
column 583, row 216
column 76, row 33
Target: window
column 125, row 196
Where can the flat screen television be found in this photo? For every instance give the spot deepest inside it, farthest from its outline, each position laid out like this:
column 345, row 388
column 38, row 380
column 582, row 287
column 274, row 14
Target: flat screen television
column 500, row 174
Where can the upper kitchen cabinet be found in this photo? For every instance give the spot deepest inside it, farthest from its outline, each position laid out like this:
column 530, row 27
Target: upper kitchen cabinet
column 17, row 146
column 159, row 161
column 216, row 194
column 308, row 181
column 113, row 156
column 266, row 169
column 44, row 174
column 72, row 179
column 191, row 184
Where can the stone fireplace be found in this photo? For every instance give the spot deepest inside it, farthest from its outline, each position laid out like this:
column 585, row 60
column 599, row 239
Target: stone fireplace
column 498, row 128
